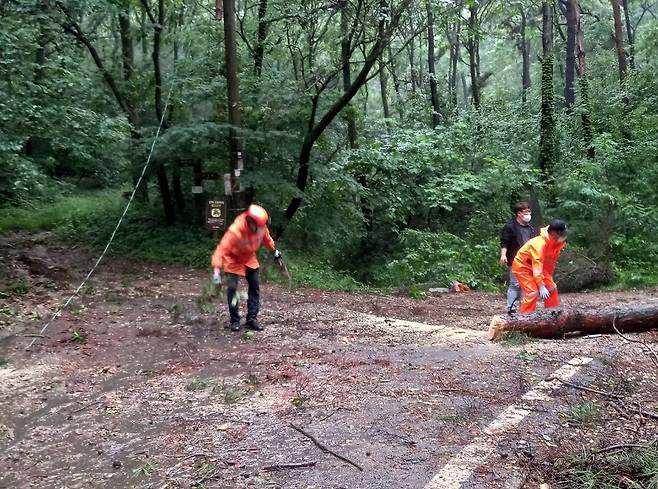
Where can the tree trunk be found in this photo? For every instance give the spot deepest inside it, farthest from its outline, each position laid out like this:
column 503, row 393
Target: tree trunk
column 259, row 52
column 125, row 31
column 233, row 92
column 547, row 27
column 453, row 39
column 165, row 194
column 396, row 83
column 630, row 35
column 434, row 95
column 179, row 197
column 199, row 209
column 128, row 63
column 555, row 323
column 619, row 39
column 586, row 105
column 464, row 89
column 547, row 137
column 570, row 60
column 383, row 86
column 39, row 65
column 411, row 52
column 163, row 183
column 525, row 54
column 473, row 54
column 142, row 28
column 345, row 56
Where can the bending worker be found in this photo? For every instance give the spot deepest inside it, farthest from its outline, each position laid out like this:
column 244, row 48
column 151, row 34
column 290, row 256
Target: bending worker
column 236, row 255
column 534, row 265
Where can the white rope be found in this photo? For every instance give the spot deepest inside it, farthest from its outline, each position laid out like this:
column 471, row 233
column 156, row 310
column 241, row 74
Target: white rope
column 116, row 228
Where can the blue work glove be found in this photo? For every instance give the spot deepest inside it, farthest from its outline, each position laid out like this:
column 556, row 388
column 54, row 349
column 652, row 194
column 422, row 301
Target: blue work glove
column 543, row 292
column 216, row 277
column 276, row 254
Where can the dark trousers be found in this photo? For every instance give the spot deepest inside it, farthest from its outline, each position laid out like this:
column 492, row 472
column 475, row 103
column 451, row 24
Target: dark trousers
column 253, row 300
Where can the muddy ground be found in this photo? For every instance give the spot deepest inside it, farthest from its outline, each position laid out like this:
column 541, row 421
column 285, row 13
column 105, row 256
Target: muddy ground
column 139, row 384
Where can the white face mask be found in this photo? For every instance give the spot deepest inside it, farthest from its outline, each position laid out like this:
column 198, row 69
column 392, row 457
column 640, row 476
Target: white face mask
column 526, row 218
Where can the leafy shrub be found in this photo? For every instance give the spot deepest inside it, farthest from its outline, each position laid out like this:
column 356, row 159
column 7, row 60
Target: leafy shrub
column 441, row 258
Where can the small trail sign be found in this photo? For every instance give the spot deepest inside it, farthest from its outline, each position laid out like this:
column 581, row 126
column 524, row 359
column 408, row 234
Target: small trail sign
column 216, row 214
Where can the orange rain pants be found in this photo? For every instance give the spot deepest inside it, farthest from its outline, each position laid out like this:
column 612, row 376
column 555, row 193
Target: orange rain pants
column 530, row 293
column 533, row 267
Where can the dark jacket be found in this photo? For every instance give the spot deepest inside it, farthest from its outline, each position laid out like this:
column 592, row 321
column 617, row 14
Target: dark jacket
column 513, row 236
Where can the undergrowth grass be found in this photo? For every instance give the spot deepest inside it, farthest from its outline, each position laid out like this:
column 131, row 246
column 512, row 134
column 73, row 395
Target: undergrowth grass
column 631, row 467
column 89, row 218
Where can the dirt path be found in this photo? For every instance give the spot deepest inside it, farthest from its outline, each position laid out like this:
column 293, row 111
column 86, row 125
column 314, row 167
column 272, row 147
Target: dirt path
column 158, row 394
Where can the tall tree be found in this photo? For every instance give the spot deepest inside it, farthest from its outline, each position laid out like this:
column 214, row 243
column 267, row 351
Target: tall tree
column 630, row 34
column 619, row 39
column 431, row 58
column 523, row 45
column 346, row 54
column 473, row 48
column 547, row 136
column 386, row 26
column 163, row 180
column 259, row 52
column 586, row 105
column 383, row 87
column 453, row 39
column 571, row 14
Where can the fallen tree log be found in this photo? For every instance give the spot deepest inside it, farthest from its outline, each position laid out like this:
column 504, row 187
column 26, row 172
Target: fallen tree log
column 555, row 323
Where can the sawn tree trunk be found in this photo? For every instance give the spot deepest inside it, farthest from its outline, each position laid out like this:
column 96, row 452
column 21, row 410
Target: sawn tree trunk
column 555, row 323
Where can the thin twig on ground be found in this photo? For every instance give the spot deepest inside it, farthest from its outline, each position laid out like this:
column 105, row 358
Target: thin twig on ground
column 651, row 352
column 639, row 411
column 294, row 465
column 86, row 406
column 324, row 448
column 195, row 455
column 189, row 356
column 589, row 389
column 623, row 446
column 329, row 415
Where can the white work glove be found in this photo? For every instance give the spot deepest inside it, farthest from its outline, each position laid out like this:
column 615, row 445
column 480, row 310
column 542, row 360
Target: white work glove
column 216, row 277
column 276, row 254
column 543, row 292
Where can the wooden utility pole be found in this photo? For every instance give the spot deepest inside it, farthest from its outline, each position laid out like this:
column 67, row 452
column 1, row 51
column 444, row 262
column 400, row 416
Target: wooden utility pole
column 233, row 90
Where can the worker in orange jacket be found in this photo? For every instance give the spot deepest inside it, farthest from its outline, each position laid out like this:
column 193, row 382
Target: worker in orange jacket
column 236, row 255
column 534, row 265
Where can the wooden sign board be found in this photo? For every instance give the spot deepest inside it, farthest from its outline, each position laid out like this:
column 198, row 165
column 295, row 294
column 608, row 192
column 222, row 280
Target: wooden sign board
column 216, row 214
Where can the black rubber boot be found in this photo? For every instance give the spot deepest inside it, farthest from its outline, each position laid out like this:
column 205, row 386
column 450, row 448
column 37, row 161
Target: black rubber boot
column 235, row 325
column 253, row 325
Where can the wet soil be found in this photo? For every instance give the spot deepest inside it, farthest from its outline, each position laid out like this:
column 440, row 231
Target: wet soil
column 139, row 384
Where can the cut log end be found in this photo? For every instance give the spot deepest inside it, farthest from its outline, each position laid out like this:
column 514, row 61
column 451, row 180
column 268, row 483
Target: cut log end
column 496, row 328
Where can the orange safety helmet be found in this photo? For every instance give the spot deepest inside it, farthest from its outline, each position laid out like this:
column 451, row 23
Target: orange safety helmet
column 258, row 214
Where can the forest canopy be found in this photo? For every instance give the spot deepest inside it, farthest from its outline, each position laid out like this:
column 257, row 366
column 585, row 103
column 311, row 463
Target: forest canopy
column 387, row 139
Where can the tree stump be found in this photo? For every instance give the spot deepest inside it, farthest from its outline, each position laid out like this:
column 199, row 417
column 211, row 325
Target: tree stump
column 555, row 323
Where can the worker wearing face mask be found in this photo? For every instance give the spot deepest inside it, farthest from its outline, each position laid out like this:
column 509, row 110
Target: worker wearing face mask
column 514, row 235
column 534, row 265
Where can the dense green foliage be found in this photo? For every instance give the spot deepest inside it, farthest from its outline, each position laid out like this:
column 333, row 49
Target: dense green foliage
column 402, row 204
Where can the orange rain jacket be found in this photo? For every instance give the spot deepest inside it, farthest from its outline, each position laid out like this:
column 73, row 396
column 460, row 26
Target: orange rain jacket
column 537, row 259
column 237, row 248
